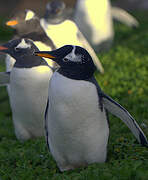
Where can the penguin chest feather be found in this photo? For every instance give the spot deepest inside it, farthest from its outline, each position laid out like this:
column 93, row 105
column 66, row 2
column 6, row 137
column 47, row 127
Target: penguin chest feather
column 64, row 33
column 77, row 129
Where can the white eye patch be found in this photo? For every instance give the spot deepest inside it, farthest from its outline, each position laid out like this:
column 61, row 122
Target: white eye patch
column 29, row 15
column 73, row 57
column 23, row 45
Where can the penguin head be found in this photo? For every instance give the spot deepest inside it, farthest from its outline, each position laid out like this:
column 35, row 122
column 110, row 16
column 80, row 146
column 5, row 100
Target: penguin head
column 20, row 17
column 19, row 48
column 55, row 12
column 74, row 61
column 24, row 22
column 22, row 51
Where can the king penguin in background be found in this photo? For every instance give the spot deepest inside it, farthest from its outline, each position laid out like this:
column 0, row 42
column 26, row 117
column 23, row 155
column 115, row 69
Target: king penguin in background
column 64, row 31
column 29, row 81
column 95, row 21
column 76, row 124
column 27, row 25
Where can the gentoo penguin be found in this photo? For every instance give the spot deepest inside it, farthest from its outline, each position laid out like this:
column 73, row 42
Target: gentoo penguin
column 64, row 31
column 27, row 25
column 29, row 81
column 95, row 21
column 76, row 123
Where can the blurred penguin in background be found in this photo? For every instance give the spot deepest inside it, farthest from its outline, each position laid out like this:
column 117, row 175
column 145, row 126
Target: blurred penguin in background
column 27, row 25
column 95, row 20
column 62, row 30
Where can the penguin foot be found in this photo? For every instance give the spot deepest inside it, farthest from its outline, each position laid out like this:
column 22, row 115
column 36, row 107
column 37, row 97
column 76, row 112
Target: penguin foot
column 66, row 168
column 69, row 167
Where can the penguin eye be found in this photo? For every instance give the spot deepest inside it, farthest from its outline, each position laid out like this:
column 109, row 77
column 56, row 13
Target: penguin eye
column 16, row 49
column 65, row 60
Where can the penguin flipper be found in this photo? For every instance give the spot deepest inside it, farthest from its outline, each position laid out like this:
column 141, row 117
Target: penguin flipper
column 46, row 123
column 119, row 111
column 124, row 17
column 4, row 78
column 92, row 53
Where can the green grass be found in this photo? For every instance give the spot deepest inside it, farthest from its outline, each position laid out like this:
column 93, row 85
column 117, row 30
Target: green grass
column 5, row 32
column 125, row 80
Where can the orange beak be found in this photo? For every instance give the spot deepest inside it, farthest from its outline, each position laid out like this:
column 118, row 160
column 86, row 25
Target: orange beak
column 44, row 55
column 12, row 23
column 2, row 48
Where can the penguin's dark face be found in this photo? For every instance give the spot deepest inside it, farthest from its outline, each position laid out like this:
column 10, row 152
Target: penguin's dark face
column 22, row 51
column 55, row 11
column 74, row 61
column 19, row 48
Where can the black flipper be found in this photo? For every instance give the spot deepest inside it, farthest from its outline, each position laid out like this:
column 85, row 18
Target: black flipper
column 124, row 17
column 46, row 126
column 116, row 109
column 119, row 111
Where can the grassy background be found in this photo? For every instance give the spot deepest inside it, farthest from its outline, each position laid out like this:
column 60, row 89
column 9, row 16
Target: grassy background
column 125, row 80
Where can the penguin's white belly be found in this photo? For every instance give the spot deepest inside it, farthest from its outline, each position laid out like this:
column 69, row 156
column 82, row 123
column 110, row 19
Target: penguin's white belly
column 95, row 21
column 28, row 98
column 77, row 129
column 62, row 34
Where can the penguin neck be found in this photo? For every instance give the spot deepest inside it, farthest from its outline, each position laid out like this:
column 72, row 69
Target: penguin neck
column 78, row 74
column 29, row 61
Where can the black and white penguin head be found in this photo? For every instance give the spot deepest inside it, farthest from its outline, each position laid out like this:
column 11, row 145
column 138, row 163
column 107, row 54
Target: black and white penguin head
column 55, row 12
column 21, row 17
column 74, row 61
column 19, row 47
column 22, row 50
column 24, row 22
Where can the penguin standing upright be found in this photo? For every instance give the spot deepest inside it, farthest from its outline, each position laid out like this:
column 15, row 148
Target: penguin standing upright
column 95, row 20
column 76, row 123
column 64, row 31
column 29, row 79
